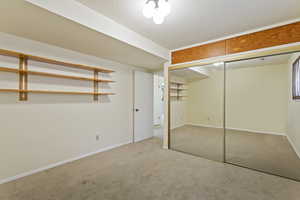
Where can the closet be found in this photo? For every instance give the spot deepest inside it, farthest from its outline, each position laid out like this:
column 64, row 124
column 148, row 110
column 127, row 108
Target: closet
column 241, row 112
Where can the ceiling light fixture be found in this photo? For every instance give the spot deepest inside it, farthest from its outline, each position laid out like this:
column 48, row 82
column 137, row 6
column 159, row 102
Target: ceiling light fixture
column 157, row 9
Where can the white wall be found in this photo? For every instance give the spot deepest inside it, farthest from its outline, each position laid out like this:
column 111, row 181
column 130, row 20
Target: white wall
column 158, row 106
column 293, row 132
column 256, row 99
column 48, row 129
column 205, row 101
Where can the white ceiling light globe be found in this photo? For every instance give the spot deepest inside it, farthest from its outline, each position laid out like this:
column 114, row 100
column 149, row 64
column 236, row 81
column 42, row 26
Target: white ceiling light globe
column 164, row 7
column 149, row 9
column 158, row 17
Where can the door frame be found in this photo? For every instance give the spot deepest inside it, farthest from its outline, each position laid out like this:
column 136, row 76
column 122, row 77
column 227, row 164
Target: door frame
column 133, row 106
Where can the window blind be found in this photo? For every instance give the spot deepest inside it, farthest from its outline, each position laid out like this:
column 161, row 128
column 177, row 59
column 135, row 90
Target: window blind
column 296, row 79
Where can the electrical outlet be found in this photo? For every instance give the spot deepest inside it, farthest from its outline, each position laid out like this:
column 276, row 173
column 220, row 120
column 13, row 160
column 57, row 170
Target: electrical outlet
column 97, row 137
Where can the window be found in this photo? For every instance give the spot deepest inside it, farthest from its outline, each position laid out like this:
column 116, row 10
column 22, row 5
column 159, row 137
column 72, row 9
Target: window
column 296, row 79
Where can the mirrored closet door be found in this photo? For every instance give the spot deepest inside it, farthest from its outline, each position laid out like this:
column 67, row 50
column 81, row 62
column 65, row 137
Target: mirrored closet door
column 245, row 113
column 263, row 114
column 197, row 111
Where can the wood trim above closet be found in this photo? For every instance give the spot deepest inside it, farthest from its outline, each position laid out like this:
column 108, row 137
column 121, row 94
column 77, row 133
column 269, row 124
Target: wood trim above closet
column 199, row 52
column 263, row 39
column 269, row 38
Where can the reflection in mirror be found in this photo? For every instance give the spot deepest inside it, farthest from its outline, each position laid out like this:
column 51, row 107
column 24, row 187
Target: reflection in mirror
column 196, row 111
column 262, row 118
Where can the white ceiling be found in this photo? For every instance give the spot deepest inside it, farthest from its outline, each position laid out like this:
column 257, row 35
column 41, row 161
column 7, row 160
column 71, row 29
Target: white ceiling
column 189, row 74
column 190, row 22
column 196, row 21
column 23, row 19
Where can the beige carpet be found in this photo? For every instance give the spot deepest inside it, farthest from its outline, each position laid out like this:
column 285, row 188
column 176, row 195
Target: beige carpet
column 265, row 152
column 144, row 171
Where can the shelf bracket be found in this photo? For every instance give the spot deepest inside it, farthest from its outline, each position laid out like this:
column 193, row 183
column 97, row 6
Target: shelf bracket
column 96, row 85
column 177, row 91
column 23, row 78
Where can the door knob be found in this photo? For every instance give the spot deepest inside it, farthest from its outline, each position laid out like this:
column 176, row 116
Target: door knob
column 137, row 110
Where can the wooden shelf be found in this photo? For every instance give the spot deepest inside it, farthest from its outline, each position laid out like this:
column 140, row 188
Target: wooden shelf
column 5, row 69
column 178, row 83
column 52, row 61
column 296, row 98
column 178, row 89
column 10, row 90
column 178, row 96
column 57, row 92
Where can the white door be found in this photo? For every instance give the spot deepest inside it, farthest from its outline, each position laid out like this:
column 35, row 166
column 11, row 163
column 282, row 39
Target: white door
column 143, row 106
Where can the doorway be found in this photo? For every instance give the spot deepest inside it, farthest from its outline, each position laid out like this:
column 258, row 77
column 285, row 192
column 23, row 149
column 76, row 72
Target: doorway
column 158, row 104
column 143, row 106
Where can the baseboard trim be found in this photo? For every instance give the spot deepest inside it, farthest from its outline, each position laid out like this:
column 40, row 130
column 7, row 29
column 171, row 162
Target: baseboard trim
column 255, row 131
column 293, row 146
column 178, row 126
column 13, row 178
column 204, row 125
column 239, row 129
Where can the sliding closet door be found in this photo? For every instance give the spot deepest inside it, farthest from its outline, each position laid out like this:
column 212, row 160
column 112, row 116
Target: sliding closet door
column 262, row 119
column 197, row 111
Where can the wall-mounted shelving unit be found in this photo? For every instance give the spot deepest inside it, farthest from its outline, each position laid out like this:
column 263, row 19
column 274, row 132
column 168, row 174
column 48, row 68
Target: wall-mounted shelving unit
column 24, row 72
column 178, row 87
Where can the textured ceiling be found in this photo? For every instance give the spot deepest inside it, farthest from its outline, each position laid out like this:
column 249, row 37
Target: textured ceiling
column 195, row 21
column 26, row 20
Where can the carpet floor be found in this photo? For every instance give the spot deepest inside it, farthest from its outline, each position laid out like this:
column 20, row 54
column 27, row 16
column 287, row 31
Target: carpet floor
column 145, row 171
column 265, row 152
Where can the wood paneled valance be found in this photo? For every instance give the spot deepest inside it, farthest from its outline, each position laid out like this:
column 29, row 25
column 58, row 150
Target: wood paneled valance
column 268, row 38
